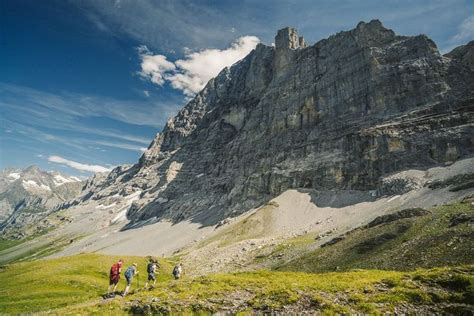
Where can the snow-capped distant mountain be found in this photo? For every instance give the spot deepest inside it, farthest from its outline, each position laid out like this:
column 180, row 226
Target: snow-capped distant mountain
column 29, row 194
column 60, row 179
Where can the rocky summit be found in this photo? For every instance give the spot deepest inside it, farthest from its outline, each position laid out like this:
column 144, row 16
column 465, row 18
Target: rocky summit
column 342, row 114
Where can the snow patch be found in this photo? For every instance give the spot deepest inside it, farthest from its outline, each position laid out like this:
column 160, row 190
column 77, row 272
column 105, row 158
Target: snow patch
column 32, row 185
column 14, row 176
column 60, row 180
column 45, row 187
column 133, row 197
column 393, row 198
column 104, row 207
column 122, row 214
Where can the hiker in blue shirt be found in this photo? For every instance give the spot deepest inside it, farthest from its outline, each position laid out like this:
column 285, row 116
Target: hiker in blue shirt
column 129, row 274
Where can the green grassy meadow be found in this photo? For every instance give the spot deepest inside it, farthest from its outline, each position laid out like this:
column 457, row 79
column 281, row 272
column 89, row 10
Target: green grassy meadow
column 425, row 267
column 75, row 285
column 418, row 242
column 49, row 284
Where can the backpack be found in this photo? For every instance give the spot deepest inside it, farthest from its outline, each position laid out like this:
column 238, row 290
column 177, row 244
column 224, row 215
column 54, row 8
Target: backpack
column 114, row 270
column 149, row 268
column 129, row 273
column 176, row 271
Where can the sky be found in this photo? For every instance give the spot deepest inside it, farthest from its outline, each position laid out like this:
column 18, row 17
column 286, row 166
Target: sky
column 85, row 85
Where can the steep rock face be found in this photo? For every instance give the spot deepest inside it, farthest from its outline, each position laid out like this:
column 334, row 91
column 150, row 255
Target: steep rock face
column 30, row 194
column 464, row 54
column 336, row 115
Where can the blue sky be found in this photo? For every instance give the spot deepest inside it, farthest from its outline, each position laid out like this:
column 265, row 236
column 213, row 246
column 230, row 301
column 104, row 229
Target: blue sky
column 85, row 84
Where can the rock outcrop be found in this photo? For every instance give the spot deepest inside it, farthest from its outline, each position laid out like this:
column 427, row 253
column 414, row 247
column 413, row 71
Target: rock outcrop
column 463, row 54
column 340, row 114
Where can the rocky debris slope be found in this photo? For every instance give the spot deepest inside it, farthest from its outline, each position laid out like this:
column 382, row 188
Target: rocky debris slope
column 235, row 243
column 342, row 114
column 28, row 195
column 405, row 240
column 300, row 223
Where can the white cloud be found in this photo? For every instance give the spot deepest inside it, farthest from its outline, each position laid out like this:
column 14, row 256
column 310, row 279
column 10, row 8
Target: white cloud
column 154, row 66
column 466, row 29
column 192, row 73
column 77, row 165
column 120, row 145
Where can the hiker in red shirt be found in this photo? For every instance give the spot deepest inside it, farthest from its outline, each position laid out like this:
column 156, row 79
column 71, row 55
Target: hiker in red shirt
column 115, row 275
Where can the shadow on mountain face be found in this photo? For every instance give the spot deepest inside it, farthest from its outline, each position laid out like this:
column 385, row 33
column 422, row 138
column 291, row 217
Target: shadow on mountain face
column 338, row 199
column 336, row 115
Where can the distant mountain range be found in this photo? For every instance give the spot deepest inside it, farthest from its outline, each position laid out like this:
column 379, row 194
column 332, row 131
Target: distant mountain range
column 27, row 195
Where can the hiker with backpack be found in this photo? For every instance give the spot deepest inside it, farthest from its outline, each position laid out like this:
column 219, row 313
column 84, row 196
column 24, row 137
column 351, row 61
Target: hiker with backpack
column 129, row 274
column 114, row 276
column 177, row 271
column 151, row 269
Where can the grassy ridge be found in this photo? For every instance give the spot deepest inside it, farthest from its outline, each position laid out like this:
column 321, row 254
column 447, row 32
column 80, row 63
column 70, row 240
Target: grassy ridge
column 10, row 252
column 6, row 243
column 354, row 291
column 48, row 284
column 405, row 244
column 74, row 285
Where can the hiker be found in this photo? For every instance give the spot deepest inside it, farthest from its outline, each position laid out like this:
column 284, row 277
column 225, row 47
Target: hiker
column 129, row 274
column 177, row 271
column 151, row 269
column 114, row 276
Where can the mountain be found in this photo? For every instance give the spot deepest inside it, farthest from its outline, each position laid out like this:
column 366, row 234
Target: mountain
column 28, row 195
column 293, row 140
column 342, row 114
column 352, row 156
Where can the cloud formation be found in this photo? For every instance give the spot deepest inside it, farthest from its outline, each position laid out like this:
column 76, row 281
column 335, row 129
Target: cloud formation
column 77, row 125
column 166, row 25
column 49, row 106
column 77, row 165
column 154, row 66
column 466, row 29
column 191, row 73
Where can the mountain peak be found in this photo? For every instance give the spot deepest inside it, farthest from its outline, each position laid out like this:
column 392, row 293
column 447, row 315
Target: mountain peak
column 464, row 54
column 373, row 24
column 32, row 168
column 288, row 38
column 373, row 32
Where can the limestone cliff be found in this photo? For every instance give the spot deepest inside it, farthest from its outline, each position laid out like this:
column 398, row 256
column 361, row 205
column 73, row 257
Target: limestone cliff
column 340, row 114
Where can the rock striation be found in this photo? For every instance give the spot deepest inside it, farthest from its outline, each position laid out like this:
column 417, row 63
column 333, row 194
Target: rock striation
column 344, row 113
